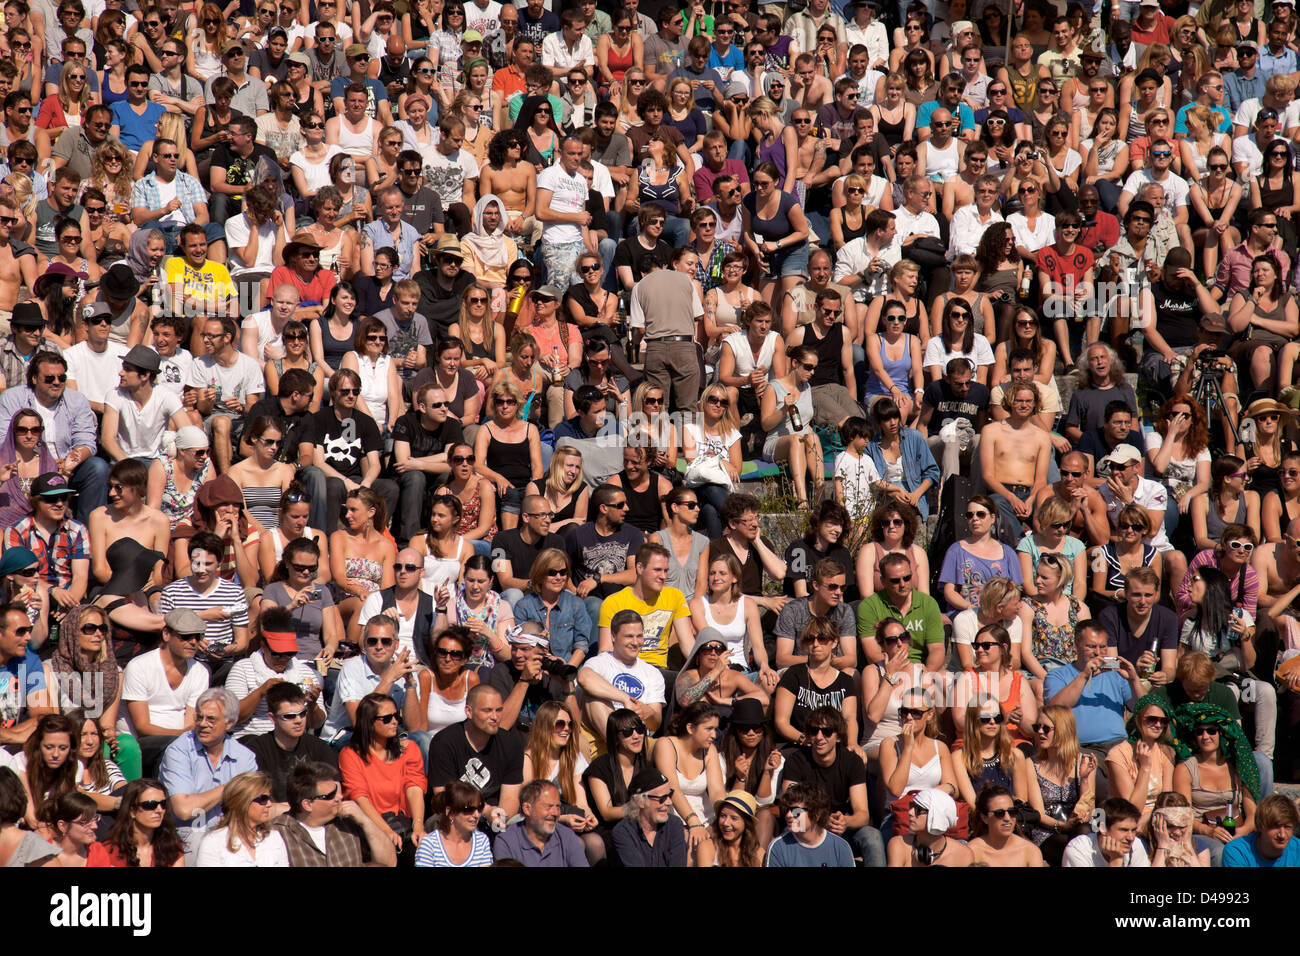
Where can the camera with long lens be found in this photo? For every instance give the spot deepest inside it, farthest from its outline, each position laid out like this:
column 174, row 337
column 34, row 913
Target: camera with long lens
column 1207, row 363
column 557, row 667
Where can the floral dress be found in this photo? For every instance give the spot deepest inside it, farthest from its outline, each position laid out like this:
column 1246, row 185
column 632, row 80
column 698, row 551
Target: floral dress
column 1058, row 802
column 1054, row 641
column 365, row 570
column 489, row 614
column 177, row 505
column 471, row 511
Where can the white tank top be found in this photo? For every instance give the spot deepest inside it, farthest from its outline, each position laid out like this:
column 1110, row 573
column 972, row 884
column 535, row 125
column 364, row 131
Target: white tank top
column 359, row 145
column 278, row 542
column 739, row 343
column 442, row 572
column 733, row 633
column 940, row 164
column 442, row 713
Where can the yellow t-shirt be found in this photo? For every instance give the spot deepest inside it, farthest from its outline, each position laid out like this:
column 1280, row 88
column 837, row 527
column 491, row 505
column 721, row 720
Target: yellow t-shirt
column 205, row 289
column 657, row 618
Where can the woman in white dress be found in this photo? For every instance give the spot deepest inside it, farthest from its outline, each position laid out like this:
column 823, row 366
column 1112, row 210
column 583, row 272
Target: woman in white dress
column 381, row 389
column 244, row 837
column 445, row 552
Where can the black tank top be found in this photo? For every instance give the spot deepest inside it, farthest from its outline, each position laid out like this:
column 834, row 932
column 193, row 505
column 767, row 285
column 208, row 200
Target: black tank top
column 643, row 509
column 851, row 234
column 829, row 348
column 509, row 459
column 893, row 132
column 1178, row 314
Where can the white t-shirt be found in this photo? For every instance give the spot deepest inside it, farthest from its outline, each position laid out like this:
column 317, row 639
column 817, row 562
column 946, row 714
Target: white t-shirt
column 486, row 20
column 94, row 374
column 1249, row 109
column 144, row 679
column 857, row 475
column 238, row 232
column 315, row 175
column 641, row 681
column 1149, row 494
column 1083, row 851
column 266, row 333
column 252, row 672
column 373, row 606
column 172, row 371
column 446, row 175
column 967, row 623
column 356, row 679
column 140, row 430
column 1176, row 189
column 1245, row 150
column 557, row 55
column 568, row 194
column 711, row 446
column 936, row 354
column 166, row 193
column 241, row 380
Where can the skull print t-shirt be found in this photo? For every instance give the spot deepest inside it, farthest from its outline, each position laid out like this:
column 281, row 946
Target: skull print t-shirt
column 345, row 443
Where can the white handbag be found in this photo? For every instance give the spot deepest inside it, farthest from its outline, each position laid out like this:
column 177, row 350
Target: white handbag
column 708, row 471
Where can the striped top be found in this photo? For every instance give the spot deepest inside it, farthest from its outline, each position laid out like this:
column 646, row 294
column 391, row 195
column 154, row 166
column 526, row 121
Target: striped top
column 263, row 503
column 431, row 853
column 226, row 594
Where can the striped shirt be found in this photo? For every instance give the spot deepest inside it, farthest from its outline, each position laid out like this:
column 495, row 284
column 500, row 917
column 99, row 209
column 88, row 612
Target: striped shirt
column 431, row 852
column 226, row 594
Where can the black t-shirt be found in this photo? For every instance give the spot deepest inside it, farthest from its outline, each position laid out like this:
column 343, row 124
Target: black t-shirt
column 290, row 426
column 521, row 554
column 947, row 406
column 630, row 252
column 1093, row 442
column 1162, row 628
column 592, row 554
column 504, row 677
column 751, row 569
column 440, row 307
column 276, row 762
column 835, row 781
column 422, row 210
column 261, row 59
column 800, row 558
column 1178, row 315
column 345, row 443
column 605, row 769
column 500, row 763
column 1088, row 405
column 239, row 169
column 409, row 428
column 808, row 696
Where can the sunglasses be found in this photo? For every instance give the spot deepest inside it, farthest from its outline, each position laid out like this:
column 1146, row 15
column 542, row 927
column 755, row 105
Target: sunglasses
column 150, row 805
column 1245, row 546
column 637, row 728
column 1002, row 812
column 900, row 580
column 408, row 567
column 985, row 645
column 380, row 641
column 991, row 720
column 1205, row 730
column 462, row 459
column 449, row 653
column 910, row 713
column 825, row 732
column 386, row 718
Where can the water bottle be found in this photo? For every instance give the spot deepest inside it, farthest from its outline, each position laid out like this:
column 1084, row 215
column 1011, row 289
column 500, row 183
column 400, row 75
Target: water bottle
column 516, row 300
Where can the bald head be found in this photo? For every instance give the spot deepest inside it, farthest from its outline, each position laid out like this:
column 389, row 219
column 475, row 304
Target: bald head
column 396, row 46
column 410, row 556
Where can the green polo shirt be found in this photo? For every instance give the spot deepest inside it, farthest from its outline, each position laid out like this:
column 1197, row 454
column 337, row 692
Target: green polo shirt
column 923, row 622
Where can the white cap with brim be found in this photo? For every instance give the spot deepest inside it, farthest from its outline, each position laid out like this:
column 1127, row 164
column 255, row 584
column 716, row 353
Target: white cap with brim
column 1123, row 454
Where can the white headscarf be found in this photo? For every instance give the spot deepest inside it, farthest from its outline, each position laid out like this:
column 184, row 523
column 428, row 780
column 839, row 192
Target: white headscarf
column 491, row 250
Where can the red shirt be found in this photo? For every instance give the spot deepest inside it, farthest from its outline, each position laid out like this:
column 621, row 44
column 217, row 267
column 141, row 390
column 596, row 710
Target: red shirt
column 1062, row 267
column 101, row 854
column 1104, row 231
column 1159, row 33
column 315, row 292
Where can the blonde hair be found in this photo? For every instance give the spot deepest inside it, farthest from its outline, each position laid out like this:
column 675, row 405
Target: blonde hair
column 997, row 591
column 730, row 421
column 1059, row 565
column 1065, row 740
column 507, row 387
column 1052, row 511
column 172, row 126
column 65, row 96
column 555, row 475
column 236, row 798
column 972, row 746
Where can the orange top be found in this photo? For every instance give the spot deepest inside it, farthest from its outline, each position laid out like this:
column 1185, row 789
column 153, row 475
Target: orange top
column 383, row 783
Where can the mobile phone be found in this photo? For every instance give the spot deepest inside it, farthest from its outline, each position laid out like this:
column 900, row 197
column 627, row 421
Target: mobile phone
column 1110, row 663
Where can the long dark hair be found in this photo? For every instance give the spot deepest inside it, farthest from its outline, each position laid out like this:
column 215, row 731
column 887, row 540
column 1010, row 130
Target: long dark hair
column 47, row 785
column 748, row 849
column 1221, row 468
column 618, row 721
column 1007, row 333
column 731, row 749
column 343, row 285
column 1215, row 609
column 363, row 728
column 167, row 846
column 292, row 550
column 989, row 251
column 967, row 343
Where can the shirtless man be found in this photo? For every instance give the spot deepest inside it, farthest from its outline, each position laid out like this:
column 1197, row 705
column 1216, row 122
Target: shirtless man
column 1013, row 457
column 959, row 191
column 810, row 169
column 515, row 184
column 1000, row 846
column 1278, row 563
column 126, row 516
column 925, row 844
column 812, row 90
column 17, row 263
column 1089, row 522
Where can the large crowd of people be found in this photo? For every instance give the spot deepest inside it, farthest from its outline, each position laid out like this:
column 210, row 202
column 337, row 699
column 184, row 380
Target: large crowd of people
column 392, row 393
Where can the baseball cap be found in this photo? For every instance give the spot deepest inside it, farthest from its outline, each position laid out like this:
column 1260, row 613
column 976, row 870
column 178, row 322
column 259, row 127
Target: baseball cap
column 52, row 484
column 1123, row 454
column 281, row 642
column 356, row 49
column 547, row 292
column 471, row 36
column 645, row 780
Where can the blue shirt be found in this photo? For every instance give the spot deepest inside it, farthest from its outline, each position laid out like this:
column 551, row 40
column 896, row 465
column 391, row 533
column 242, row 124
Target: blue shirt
column 186, row 768
column 1244, row 851
column 1099, row 714
column 19, row 677
column 918, row 463
column 965, row 114
column 562, row 849
column 568, row 623
column 1271, row 64
column 787, row 851
column 74, row 419
column 379, row 234
column 734, row 60
column 1225, row 120
column 136, row 129
column 1237, row 89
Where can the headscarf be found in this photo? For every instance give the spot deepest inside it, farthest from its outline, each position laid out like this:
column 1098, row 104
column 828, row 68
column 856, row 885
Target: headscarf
column 1149, row 700
column 137, row 256
column 491, row 250
column 14, row 504
column 70, row 659
column 529, row 109
column 1232, row 742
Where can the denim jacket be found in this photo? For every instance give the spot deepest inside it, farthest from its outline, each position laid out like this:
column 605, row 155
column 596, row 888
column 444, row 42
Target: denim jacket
column 918, row 463
column 569, row 624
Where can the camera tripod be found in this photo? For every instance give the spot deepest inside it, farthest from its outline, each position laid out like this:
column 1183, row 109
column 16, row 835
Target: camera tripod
column 1208, row 394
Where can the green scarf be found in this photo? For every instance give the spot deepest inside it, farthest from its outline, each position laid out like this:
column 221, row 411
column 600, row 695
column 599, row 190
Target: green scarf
column 1233, row 744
